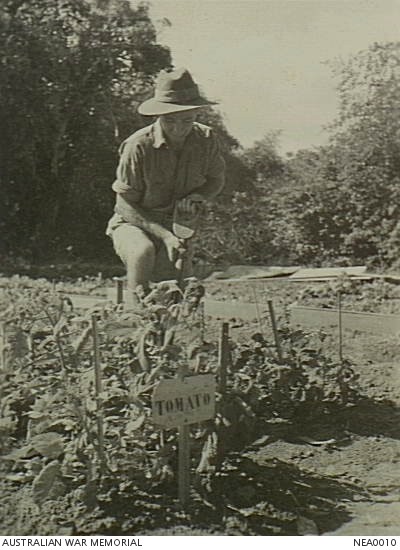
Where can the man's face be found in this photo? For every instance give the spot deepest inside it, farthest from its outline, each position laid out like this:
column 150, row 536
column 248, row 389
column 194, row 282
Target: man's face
column 177, row 126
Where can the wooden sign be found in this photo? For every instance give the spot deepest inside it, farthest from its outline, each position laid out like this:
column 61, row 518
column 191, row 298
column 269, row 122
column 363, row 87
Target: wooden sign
column 179, row 402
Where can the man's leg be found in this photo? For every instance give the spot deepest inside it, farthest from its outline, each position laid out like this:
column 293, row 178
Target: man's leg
column 137, row 251
column 164, row 270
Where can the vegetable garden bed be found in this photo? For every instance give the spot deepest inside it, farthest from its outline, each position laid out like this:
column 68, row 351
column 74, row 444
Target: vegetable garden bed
column 59, row 477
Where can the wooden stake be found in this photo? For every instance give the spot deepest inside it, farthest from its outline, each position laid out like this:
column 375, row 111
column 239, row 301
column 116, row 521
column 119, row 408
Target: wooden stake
column 3, row 346
column 202, row 322
column 223, row 356
column 275, row 331
column 257, row 309
column 99, row 389
column 340, row 327
column 183, row 457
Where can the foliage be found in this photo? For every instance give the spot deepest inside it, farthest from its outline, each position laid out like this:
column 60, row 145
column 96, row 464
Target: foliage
column 367, row 150
column 239, row 227
column 71, row 72
column 52, row 405
column 235, row 231
column 343, row 207
column 263, row 158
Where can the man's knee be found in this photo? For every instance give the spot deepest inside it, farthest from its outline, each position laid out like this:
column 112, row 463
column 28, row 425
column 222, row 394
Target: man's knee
column 132, row 245
column 140, row 252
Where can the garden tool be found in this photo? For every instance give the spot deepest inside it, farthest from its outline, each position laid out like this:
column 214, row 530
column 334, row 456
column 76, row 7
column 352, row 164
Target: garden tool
column 184, row 226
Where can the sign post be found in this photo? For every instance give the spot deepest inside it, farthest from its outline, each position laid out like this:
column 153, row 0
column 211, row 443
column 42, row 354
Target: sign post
column 184, row 465
column 177, row 403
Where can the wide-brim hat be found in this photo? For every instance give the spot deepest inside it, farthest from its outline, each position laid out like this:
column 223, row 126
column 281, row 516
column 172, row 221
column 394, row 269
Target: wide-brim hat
column 175, row 91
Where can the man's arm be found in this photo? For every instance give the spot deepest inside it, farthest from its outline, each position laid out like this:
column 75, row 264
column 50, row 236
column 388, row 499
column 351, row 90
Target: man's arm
column 215, row 180
column 134, row 214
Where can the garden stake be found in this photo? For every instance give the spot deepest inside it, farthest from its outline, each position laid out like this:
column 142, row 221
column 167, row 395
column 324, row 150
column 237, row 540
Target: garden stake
column 275, row 331
column 340, row 326
column 3, row 346
column 202, row 322
column 223, row 356
column 260, row 328
column 183, row 456
column 98, row 389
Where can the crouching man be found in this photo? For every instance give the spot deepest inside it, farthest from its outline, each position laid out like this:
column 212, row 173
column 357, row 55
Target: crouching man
column 175, row 163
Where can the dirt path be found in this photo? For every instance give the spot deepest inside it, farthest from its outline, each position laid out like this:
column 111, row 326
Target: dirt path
column 367, row 457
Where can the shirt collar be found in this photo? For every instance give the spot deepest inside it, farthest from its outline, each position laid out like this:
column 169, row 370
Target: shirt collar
column 158, row 135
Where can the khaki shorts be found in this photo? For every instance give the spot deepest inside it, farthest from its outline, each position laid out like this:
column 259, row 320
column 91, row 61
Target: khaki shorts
column 127, row 237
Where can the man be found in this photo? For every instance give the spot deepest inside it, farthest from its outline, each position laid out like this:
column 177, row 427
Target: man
column 173, row 163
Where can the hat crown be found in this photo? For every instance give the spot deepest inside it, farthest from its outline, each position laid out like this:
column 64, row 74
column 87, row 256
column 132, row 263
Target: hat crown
column 176, row 86
column 179, row 79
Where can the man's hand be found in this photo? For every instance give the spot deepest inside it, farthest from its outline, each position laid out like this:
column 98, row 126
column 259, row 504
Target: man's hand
column 175, row 247
column 191, row 204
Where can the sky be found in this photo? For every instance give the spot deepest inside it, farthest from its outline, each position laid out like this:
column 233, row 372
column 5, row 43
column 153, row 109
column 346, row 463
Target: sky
column 265, row 61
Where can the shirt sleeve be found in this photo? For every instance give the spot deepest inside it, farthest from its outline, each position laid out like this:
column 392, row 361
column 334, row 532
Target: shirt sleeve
column 215, row 176
column 129, row 177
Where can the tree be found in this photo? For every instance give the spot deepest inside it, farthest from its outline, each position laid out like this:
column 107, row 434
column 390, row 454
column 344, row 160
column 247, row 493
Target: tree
column 367, row 148
column 71, row 72
column 342, row 201
column 263, row 158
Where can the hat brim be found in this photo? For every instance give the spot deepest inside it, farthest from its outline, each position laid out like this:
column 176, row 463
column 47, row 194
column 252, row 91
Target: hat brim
column 153, row 107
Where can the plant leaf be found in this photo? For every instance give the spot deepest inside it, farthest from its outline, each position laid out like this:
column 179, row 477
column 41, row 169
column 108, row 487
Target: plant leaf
column 49, row 444
column 80, row 343
column 44, row 481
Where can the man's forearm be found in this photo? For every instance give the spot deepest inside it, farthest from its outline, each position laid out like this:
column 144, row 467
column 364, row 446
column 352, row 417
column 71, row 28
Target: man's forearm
column 211, row 189
column 139, row 217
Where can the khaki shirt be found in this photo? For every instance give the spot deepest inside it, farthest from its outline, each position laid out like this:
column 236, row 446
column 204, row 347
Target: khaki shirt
column 153, row 176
